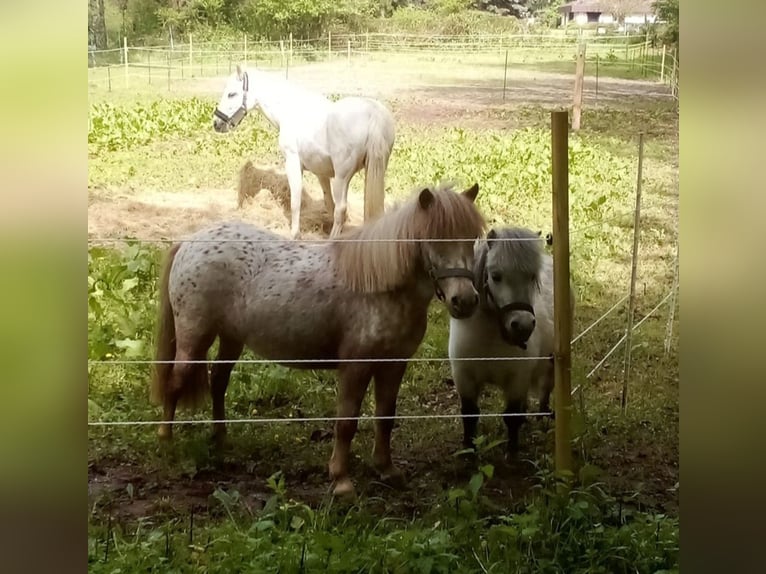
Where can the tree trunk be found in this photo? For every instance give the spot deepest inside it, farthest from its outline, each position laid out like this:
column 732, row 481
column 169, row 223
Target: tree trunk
column 96, row 24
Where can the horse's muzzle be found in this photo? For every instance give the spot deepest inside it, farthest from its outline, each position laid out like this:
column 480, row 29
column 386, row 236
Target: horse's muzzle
column 223, row 123
column 521, row 317
column 462, row 307
column 220, row 126
column 515, row 336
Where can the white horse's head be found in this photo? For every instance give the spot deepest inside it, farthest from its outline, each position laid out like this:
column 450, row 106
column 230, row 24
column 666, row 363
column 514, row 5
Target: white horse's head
column 234, row 103
column 509, row 268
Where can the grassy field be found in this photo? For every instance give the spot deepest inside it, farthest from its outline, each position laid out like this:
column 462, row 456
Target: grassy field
column 263, row 504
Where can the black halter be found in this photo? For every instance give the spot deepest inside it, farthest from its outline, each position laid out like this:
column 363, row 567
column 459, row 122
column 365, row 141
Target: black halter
column 502, row 311
column 236, row 118
column 437, row 274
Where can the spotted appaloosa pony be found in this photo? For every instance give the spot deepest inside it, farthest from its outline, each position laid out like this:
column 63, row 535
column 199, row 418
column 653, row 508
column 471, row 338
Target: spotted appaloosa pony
column 333, row 301
column 514, row 276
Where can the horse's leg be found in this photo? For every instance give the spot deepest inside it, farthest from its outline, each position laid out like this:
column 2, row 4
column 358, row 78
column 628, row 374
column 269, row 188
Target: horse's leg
column 352, row 386
column 546, row 386
column 329, row 204
column 228, row 350
column 186, row 380
column 388, row 378
column 514, row 406
column 469, row 405
column 339, row 195
column 295, row 180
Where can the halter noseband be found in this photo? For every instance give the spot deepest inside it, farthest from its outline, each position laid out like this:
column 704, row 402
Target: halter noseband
column 501, row 311
column 234, row 120
column 437, row 274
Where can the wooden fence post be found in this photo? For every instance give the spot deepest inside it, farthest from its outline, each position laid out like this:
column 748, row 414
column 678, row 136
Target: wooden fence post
column 662, row 65
column 329, row 45
column 125, row 58
column 633, row 272
column 562, row 362
column 578, row 87
column 597, row 59
column 191, row 60
column 672, row 311
column 505, row 73
column 674, row 74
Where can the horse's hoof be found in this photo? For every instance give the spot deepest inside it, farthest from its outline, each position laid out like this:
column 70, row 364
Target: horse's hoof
column 165, row 433
column 512, row 457
column 344, row 488
column 393, row 476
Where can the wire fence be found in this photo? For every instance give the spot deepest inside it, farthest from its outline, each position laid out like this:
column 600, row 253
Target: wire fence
column 334, row 362
column 631, row 56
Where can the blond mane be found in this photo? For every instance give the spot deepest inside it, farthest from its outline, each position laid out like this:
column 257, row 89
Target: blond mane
column 372, row 265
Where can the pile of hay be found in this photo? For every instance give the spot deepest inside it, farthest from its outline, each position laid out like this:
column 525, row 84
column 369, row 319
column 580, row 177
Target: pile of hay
column 253, row 179
column 265, row 193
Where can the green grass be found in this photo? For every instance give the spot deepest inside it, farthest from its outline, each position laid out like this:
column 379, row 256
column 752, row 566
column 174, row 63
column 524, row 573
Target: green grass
column 454, row 516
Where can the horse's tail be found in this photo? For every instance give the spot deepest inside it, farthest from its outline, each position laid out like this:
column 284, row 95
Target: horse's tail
column 380, row 142
column 165, row 339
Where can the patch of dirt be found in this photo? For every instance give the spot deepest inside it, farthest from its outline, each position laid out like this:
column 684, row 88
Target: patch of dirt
column 129, row 491
column 156, row 214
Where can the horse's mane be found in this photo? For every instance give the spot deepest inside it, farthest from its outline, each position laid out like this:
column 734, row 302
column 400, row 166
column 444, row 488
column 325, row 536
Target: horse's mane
column 277, row 83
column 372, row 265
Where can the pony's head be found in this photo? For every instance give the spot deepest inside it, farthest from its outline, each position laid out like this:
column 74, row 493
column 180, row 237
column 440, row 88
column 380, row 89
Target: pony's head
column 450, row 215
column 508, row 267
column 443, row 224
column 234, row 103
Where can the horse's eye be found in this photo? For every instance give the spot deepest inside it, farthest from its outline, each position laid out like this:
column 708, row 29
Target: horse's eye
column 497, row 277
column 232, row 94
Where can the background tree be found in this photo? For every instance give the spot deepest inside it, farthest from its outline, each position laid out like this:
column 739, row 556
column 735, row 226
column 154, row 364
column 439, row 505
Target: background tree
column 667, row 12
column 96, row 24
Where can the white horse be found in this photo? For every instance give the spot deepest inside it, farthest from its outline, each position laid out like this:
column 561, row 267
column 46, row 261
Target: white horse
column 514, row 277
column 333, row 140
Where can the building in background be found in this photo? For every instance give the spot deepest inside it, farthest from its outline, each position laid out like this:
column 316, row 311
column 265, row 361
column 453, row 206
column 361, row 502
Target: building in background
column 624, row 13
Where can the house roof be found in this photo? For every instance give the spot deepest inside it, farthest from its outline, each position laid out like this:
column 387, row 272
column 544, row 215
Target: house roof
column 581, row 6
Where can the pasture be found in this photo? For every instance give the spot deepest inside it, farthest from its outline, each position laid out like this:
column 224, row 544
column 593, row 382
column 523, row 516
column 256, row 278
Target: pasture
column 157, row 171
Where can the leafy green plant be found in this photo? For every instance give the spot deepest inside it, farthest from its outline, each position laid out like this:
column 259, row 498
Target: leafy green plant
column 120, row 284
column 113, row 127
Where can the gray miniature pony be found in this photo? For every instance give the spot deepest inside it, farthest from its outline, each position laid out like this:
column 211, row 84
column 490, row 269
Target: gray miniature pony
column 323, row 305
column 514, row 277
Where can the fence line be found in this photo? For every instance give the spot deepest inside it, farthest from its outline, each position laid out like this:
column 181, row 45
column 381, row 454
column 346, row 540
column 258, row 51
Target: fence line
column 313, row 241
column 604, row 316
column 317, row 419
column 108, row 240
column 308, row 361
column 615, row 52
column 622, row 339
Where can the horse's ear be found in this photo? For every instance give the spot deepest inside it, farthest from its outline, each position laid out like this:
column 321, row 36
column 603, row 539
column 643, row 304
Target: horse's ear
column 426, row 198
column 491, row 235
column 240, row 71
column 472, row 192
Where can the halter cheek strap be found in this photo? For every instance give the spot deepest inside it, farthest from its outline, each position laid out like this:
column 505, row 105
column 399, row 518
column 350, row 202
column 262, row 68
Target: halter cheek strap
column 501, row 311
column 437, row 274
